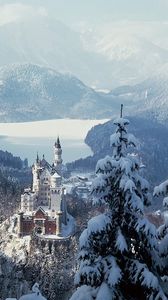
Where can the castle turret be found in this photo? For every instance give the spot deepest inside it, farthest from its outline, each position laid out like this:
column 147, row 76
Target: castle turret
column 37, row 159
column 58, row 156
column 35, row 172
column 28, row 199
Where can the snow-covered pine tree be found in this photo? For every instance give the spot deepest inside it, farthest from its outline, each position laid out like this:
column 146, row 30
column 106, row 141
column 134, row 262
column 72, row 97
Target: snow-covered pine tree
column 118, row 249
column 162, row 190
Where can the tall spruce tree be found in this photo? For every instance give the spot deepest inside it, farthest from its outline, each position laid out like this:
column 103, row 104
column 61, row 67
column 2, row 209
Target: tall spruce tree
column 118, row 249
column 162, row 190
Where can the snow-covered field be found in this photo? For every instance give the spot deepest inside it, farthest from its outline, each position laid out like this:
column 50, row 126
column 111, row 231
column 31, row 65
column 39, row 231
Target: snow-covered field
column 25, row 139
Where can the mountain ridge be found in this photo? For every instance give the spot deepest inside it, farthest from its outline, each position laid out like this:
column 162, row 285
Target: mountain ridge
column 122, row 55
column 31, row 92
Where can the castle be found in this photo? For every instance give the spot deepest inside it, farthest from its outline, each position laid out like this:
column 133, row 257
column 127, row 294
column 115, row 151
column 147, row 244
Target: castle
column 43, row 207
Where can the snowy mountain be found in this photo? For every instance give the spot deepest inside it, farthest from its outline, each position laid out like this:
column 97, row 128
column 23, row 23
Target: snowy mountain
column 104, row 59
column 50, row 43
column 131, row 57
column 30, row 92
column 148, row 98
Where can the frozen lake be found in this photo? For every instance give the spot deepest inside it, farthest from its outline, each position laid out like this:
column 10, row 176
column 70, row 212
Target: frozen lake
column 26, row 139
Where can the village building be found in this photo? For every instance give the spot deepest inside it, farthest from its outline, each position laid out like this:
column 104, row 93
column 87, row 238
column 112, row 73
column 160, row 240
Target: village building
column 43, row 207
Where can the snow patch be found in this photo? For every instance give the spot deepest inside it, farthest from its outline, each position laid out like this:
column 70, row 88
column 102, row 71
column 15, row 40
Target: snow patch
column 161, row 189
column 121, row 242
column 98, row 223
column 84, row 292
column 121, row 122
column 104, row 293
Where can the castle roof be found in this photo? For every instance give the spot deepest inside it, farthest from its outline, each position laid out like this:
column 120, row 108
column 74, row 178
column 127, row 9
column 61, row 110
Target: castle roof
column 57, row 143
column 43, row 209
column 56, row 175
column 45, row 164
column 45, row 173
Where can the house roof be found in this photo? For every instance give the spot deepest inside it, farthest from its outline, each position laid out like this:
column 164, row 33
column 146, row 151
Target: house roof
column 42, row 209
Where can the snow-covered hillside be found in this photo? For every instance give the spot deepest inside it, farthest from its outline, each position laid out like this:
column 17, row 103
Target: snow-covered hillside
column 132, row 58
column 31, row 92
column 48, row 42
column 148, row 98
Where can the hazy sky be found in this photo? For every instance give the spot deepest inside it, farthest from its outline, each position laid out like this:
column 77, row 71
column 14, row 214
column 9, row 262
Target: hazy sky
column 99, row 11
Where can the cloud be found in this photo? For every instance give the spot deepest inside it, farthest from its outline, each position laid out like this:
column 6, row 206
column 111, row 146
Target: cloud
column 18, row 12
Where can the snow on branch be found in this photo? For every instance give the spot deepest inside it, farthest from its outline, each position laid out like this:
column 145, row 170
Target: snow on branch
column 163, row 230
column 91, row 273
column 84, row 292
column 129, row 185
column 163, row 246
column 113, row 273
column 125, row 165
column 105, row 165
column 144, row 184
column 165, row 202
column 121, row 242
column 83, row 240
column 132, row 140
column 121, row 122
column 99, row 223
column 147, row 227
column 115, row 139
column 161, row 189
column 104, row 292
column 140, row 272
column 135, row 203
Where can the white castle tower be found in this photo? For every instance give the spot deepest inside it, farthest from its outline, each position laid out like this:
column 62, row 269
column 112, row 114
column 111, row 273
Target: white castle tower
column 58, row 156
column 36, row 173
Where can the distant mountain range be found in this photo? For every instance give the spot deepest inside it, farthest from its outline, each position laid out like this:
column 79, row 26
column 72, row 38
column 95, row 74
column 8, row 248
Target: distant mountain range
column 32, row 92
column 52, row 44
column 107, row 59
column 148, row 98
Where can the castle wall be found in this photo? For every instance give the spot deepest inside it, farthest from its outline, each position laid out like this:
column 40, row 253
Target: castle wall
column 39, row 220
column 27, row 227
column 50, row 227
